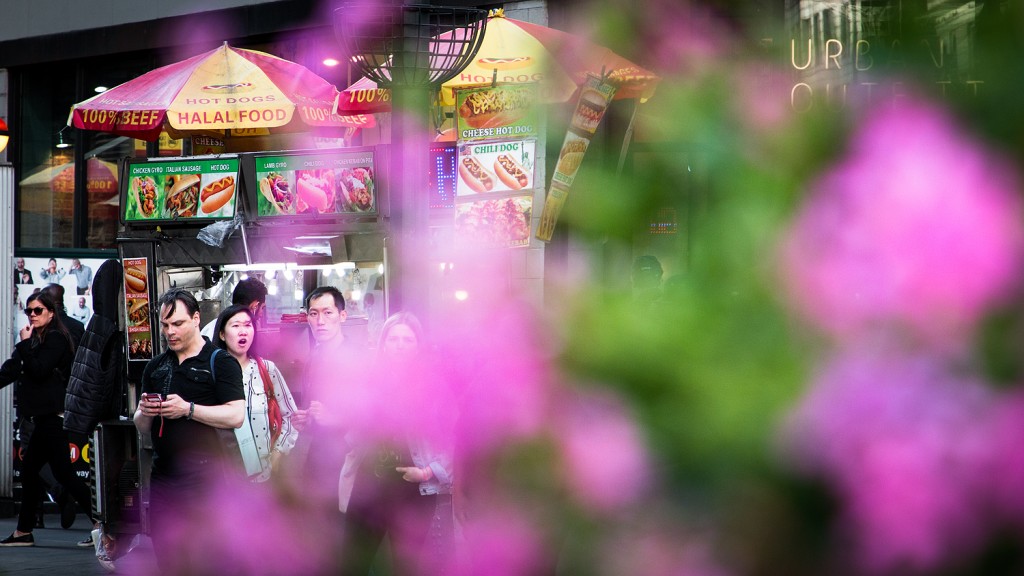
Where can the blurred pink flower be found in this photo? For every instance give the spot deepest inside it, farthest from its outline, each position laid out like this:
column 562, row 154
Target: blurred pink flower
column 1008, row 464
column 605, row 464
column 492, row 353
column 908, row 451
column 500, row 541
column 248, row 531
column 918, row 225
column 660, row 550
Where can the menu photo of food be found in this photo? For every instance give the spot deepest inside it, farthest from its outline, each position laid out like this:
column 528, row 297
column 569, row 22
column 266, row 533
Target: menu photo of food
column 570, row 157
column 277, row 193
column 217, row 195
column 356, row 189
column 138, row 311
column 140, row 344
column 314, row 191
column 144, row 199
column 497, row 222
column 181, row 195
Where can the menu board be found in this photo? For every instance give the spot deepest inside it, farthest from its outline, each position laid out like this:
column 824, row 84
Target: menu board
column 137, row 311
column 338, row 182
column 501, row 111
column 496, row 167
column 181, row 189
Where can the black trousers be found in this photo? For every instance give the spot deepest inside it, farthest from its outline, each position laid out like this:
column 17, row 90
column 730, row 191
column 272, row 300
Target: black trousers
column 387, row 506
column 48, row 444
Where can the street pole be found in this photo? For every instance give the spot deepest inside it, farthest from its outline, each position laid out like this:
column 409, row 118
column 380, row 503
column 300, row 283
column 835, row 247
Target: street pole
column 7, row 328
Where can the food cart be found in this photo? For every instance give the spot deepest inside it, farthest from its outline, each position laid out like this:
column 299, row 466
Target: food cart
column 293, row 219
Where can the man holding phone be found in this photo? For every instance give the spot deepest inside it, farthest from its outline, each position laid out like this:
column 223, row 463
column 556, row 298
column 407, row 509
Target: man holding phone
column 187, row 394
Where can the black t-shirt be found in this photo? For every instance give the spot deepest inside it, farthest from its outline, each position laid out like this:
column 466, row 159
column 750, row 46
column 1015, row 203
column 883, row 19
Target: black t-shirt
column 184, row 447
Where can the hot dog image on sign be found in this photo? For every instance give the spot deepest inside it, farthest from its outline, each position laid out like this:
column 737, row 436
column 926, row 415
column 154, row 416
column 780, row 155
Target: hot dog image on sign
column 502, row 111
column 495, row 167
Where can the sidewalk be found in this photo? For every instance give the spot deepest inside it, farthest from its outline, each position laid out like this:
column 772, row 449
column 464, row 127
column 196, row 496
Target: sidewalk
column 56, row 551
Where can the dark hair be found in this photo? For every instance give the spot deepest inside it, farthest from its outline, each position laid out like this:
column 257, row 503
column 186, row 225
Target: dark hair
column 46, row 299
column 248, row 291
column 222, row 320
column 339, row 300
column 56, row 292
column 399, row 318
column 175, row 295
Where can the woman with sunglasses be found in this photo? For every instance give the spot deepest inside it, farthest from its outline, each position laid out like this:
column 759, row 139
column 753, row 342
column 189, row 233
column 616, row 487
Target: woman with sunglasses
column 236, row 332
column 41, row 365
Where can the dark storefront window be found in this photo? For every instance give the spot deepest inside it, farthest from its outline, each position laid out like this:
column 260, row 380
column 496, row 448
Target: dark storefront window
column 46, row 192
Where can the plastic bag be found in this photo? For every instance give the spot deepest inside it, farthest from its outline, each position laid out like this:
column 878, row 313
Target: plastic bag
column 110, row 547
column 215, row 234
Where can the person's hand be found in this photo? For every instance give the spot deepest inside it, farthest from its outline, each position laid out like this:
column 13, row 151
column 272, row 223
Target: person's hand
column 316, row 410
column 25, row 332
column 174, row 406
column 150, row 408
column 414, row 474
column 299, row 419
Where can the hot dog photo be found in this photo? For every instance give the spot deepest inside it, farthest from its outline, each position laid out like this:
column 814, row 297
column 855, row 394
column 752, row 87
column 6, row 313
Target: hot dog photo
column 135, row 280
column 495, row 167
column 217, row 195
column 501, row 111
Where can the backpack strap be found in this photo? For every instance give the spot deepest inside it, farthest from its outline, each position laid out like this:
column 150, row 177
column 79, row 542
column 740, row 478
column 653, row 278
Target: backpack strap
column 213, row 357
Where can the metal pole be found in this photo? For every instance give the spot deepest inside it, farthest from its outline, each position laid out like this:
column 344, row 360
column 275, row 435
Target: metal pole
column 410, row 212
column 7, row 328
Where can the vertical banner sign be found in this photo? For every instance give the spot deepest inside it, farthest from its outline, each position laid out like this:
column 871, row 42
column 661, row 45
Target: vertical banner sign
column 137, row 316
column 595, row 95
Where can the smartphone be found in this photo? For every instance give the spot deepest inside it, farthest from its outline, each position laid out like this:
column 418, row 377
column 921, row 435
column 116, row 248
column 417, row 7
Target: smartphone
column 153, row 397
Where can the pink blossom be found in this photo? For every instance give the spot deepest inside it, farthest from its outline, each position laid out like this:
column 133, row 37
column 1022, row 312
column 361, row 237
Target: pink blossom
column 905, row 446
column 1008, row 459
column 918, row 226
column 605, row 464
column 499, row 540
column 247, row 530
column 660, row 549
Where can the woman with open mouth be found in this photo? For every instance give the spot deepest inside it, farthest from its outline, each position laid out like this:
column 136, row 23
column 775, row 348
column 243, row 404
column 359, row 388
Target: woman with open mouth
column 268, row 401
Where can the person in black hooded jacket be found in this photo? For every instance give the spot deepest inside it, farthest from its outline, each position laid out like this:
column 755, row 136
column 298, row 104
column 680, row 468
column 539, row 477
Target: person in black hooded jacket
column 40, row 365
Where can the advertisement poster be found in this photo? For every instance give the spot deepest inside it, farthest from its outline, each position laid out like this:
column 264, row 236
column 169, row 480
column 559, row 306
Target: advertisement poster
column 339, row 182
column 181, row 189
column 502, row 111
column 137, row 316
column 496, row 167
column 594, row 98
column 498, row 222
column 31, row 274
column 74, row 274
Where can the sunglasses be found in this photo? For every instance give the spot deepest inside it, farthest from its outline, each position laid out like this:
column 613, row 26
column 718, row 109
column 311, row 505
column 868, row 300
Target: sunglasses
column 38, row 310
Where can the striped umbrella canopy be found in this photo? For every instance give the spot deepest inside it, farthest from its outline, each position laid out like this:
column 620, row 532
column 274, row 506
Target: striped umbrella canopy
column 513, row 51
column 220, row 92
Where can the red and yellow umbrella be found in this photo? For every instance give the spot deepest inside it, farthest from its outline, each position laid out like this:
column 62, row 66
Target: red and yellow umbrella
column 519, row 52
column 215, row 92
